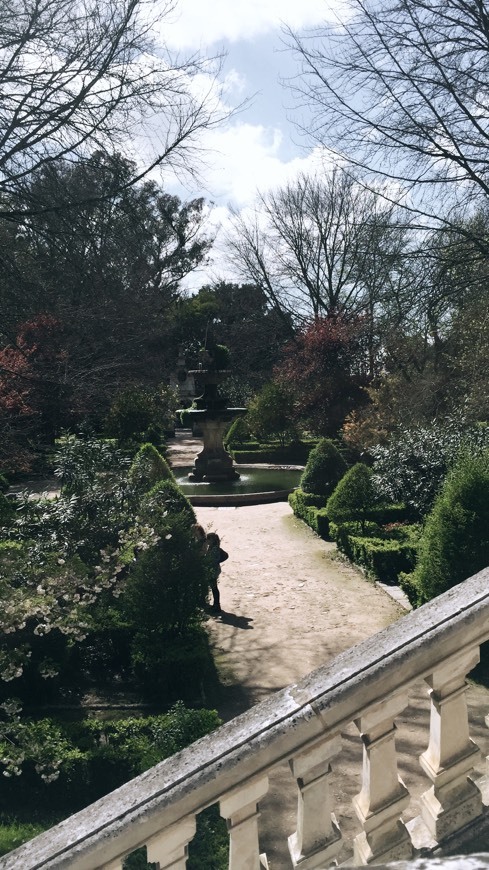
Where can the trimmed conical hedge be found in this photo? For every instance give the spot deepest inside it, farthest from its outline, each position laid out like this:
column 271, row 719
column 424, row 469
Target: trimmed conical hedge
column 325, row 468
column 455, row 541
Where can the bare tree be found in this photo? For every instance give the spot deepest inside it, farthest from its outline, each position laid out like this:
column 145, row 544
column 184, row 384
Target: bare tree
column 321, row 247
column 401, row 88
column 76, row 77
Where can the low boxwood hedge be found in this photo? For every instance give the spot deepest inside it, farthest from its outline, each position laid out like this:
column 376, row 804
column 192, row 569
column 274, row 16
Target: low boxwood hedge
column 386, row 550
column 388, row 513
column 311, row 509
column 383, row 553
column 308, row 499
column 292, row 454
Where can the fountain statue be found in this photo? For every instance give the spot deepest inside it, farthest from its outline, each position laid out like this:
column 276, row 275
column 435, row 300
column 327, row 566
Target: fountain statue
column 213, row 418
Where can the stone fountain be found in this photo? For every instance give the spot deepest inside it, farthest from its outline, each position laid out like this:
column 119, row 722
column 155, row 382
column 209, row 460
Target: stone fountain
column 213, row 418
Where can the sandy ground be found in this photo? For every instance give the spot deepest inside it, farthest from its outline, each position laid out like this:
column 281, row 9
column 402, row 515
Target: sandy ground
column 289, row 606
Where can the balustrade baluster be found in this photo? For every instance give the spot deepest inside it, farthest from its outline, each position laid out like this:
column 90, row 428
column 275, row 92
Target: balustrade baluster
column 317, row 840
column 383, row 796
column 169, row 848
column 454, row 799
column 240, row 809
column 117, row 864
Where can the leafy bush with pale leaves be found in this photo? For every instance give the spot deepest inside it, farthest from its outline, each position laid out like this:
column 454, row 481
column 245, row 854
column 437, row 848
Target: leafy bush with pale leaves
column 412, row 467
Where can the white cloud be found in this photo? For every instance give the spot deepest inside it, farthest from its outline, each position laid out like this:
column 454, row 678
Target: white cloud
column 245, row 158
column 198, row 23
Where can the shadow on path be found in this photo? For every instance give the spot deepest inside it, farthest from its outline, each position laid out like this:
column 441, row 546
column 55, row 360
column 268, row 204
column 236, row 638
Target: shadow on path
column 236, row 620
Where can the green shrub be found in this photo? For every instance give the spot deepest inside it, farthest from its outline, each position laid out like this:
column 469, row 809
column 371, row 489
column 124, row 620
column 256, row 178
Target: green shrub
column 269, row 414
column 209, row 850
column 168, row 582
column 161, row 607
column 238, row 434
column 93, row 507
column 409, row 587
column 354, row 497
column 250, row 446
column 92, row 758
column 455, row 540
column 148, row 468
column 221, row 357
column 381, row 557
column 138, row 414
column 307, row 499
column 7, row 510
column 84, row 760
column 292, row 454
column 168, row 667
column 413, row 466
column 130, row 414
column 383, row 514
column 88, row 463
column 325, row 468
column 306, row 507
column 164, row 498
column 13, row 833
column 43, row 618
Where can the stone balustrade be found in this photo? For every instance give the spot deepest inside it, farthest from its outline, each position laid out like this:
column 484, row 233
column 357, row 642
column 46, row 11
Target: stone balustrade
column 368, row 685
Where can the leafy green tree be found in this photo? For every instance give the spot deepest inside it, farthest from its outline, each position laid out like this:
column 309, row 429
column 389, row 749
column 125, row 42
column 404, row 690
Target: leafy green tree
column 166, row 497
column 239, row 316
column 324, row 469
column 168, row 582
column 163, row 595
column 270, row 413
column 106, row 323
column 139, row 412
column 354, row 497
column 455, row 540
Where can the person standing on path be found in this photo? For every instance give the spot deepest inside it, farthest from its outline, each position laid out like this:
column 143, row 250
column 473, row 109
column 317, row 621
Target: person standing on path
column 216, row 555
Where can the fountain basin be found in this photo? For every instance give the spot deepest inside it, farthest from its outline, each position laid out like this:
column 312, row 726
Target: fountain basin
column 257, row 484
column 213, row 463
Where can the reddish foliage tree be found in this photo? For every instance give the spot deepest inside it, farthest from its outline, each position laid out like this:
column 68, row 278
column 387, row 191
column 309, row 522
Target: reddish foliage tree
column 33, row 378
column 326, row 365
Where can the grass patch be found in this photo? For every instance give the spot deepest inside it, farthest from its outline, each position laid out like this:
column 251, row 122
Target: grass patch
column 13, row 834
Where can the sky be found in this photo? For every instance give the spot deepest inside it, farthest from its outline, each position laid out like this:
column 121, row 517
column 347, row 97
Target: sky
column 259, row 148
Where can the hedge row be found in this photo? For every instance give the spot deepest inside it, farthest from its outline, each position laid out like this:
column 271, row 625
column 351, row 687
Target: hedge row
column 383, row 558
column 308, row 508
column 382, row 553
column 295, row 454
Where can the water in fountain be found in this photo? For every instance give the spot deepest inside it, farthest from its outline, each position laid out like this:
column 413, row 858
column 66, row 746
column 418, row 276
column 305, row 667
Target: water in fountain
column 249, row 480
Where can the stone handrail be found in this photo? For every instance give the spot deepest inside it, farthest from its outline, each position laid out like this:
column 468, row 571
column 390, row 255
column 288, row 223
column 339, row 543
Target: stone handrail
column 369, row 685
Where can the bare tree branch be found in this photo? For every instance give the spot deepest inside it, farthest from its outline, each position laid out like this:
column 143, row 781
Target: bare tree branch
column 401, row 90
column 89, row 76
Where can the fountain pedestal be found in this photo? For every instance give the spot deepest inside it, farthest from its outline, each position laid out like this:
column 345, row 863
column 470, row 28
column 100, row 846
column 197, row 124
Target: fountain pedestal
column 213, row 463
